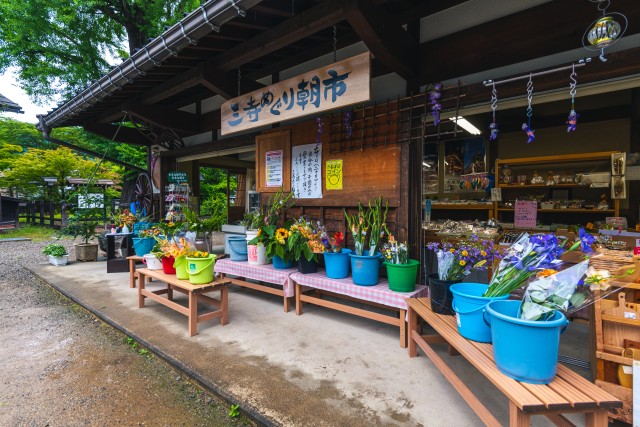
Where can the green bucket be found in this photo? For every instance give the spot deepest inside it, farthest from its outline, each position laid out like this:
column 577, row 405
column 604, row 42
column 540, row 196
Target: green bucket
column 201, row 269
column 180, row 264
column 402, row 277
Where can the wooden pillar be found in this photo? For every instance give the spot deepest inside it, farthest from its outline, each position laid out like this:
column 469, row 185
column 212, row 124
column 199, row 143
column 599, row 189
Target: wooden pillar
column 52, row 210
column 633, row 191
column 195, row 184
column 41, row 203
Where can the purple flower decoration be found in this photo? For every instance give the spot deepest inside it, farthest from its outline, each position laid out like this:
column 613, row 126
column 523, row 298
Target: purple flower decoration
column 320, row 130
column 434, row 96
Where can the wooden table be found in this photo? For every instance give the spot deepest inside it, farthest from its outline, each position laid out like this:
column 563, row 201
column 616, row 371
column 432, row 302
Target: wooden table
column 133, row 259
column 567, row 393
column 242, row 270
column 377, row 296
column 194, row 292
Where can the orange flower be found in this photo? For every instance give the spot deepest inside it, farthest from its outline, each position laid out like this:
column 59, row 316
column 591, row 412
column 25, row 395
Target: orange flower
column 546, row 273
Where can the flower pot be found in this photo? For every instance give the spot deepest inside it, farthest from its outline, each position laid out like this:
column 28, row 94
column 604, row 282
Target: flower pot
column 337, row 264
column 306, row 267
column 152, row 262
column 143, row 246
column 252, row 250
column 258, row 253
column 280, row 263
column 525, row 350
column 58, row 260
column 200, row 269
column 86, row 251
column 469, row 305
column 440, row 294
column 402, row 277
column 365, row 269
column 180, row 265
column 167, row 265
column 238, row 248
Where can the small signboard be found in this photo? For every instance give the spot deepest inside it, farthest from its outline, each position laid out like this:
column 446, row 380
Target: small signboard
column 176, row 177
column 342, row 83
column 273, row 168
column 306, row 172
column 333, row 174
column 526, row 214
column 496, row 194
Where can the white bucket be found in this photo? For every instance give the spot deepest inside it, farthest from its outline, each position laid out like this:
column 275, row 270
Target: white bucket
column 257, row 254
column 152, row 262
column 252, row 250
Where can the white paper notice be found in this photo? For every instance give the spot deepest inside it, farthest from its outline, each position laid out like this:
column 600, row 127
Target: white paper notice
column 306, row 171
column 273, row 169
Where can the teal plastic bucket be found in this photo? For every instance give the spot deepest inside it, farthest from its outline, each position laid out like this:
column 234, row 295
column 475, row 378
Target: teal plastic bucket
column 365, row 269
column 525, row 350
column 279, row 263
column 238, row 248
column 143, row 246
column 337, row 264
column 469, row 304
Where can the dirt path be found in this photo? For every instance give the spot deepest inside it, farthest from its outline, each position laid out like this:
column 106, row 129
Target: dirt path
column 63, row 367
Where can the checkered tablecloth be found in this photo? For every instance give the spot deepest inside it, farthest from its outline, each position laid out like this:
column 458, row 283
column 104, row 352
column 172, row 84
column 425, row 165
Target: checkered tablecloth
column 379, row 293
column 263, row 273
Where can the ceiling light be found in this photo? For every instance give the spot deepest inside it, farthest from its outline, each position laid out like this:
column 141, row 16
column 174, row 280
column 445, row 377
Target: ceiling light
column 466, row 125
column 426, row 164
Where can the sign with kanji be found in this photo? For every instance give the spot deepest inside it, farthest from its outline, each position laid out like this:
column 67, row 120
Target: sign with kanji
column 526, row 214
column 273, row 168
column 343, row 83
column 333, row 174
column 306, row 172
column 177, row 177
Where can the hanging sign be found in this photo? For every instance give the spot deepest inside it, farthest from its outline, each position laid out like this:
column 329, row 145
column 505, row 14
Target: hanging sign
column 273, row 168
column 333, row 174
column 526, row 214
column 336, row 85
column 306, row 172
column 177, row 177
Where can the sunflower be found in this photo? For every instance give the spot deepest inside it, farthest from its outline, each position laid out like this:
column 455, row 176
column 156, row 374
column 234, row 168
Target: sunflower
column 281, row 235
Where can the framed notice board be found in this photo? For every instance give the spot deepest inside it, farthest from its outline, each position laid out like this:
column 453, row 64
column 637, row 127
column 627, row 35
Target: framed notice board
column 273, row 161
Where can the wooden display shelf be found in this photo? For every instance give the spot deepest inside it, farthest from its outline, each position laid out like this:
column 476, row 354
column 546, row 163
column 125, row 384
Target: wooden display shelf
column 542, row 186
column 565, row 210
column 470, row 206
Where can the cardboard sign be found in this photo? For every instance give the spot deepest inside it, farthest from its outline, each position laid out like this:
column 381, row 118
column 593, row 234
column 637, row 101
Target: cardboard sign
column 526, row 214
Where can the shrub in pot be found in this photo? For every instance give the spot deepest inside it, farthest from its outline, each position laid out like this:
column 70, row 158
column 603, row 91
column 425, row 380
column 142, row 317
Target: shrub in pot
column 57, row 254
column 84, row 227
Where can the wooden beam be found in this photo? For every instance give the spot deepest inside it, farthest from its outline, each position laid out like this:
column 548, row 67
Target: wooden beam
column 225, row 83
column 227, row 162
column 540, row 31
column 165, row 117
column 125, row 135
column 389, row 43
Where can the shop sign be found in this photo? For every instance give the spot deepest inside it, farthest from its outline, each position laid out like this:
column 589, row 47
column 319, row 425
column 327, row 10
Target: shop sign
column 342, row 83
column 306, row 172
column 273, row 168
column 177, row 177
column 333, row 174
column 526, row 214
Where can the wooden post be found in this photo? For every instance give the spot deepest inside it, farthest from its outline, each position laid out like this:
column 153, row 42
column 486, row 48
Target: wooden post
column 41, row 203
column 52, row 210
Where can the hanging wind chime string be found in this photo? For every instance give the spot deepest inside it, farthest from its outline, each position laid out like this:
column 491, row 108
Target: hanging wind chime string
column 493, row 127
column 572, row 121
column 526, row 127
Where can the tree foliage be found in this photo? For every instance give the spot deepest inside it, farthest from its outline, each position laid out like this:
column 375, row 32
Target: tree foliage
column 60, row 46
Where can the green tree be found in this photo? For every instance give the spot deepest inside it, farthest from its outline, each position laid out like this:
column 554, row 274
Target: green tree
column 59, row 46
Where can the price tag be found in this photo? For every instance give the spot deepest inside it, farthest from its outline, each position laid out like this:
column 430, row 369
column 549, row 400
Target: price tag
column 496, row 194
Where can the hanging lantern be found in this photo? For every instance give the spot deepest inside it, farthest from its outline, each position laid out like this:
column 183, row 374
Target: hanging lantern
column 605, row 31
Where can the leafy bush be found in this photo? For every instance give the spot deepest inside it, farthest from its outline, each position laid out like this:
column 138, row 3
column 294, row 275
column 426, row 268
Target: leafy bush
column 54, row 249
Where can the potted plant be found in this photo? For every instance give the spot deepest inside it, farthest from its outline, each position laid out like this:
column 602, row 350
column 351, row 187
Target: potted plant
column 83, row 226
column 456, row 260
column 144, row 243
column 203, row 227
column 276, row 246
column 173, row 255
column 336, row 257
column 200, row 267
column 57, row 254
column 368, row 226
column 401, row 270
column 303, row 243
column 257, row 220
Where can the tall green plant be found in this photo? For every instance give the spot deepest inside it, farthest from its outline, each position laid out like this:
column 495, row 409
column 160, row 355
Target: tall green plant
column 369, row 224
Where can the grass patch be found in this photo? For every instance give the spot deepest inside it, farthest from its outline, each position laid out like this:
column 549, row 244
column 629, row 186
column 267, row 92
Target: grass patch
column 33, row 232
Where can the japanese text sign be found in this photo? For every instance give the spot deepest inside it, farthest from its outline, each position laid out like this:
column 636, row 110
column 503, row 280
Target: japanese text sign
column 177, row 177
column 526, row 214
column 334, row 86
column 273, row 168
column 306, row 172
column 333, row 174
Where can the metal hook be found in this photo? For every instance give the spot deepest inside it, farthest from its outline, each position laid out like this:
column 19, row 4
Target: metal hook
column 153, row 61
column 164, row 43
column 530, row 95
column 239, row 11
column 574, row 82
column 184, row 34
column 140, row 72
column 206, row 19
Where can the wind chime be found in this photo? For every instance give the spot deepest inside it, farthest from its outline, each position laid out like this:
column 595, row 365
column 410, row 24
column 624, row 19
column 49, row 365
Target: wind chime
column 526, row 127
column 493, row 127
column 572, row 121
column 604, row 31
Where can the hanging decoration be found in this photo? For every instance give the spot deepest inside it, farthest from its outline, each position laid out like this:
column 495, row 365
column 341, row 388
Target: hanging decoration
column 320, row 131
column 348, row 127
column 604, row 31
column 526, row 127
column 434, row 96
column 572, row 121
column 493, row 127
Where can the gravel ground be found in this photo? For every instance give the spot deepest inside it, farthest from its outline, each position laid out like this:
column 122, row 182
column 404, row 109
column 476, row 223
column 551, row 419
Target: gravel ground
column 63, row 367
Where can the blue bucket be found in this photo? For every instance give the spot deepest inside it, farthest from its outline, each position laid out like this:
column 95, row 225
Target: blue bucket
column 143, row 246
column 337, row 264
column 280, row 263
column 525, row 350
column 238, row 248
column 469, row 304
column 365, row 269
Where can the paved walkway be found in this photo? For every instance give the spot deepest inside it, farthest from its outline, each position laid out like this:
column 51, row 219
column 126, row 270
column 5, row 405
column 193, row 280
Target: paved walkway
column 323, row 368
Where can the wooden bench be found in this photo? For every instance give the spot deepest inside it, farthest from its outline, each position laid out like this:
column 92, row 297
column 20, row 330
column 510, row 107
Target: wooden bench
column 194, row 292
column 567, row 393
column 133, row 260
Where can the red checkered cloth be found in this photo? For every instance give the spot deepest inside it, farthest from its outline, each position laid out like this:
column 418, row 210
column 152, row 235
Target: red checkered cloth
column 264, row 273
column 379, row 293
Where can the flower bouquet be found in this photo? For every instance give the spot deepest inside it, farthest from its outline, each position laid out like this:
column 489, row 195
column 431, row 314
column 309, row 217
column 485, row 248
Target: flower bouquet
column 173, row 254
column 368, row 222
column 336, row 257
column 457, row 259
column 276, row 245
column 304, row 245
column 333, row 244
column 401, row 271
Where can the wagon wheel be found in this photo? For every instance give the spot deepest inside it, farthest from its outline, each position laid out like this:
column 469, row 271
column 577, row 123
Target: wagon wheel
column 143, row 196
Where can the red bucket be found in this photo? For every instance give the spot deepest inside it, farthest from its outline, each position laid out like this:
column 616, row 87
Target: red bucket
column 167, row 265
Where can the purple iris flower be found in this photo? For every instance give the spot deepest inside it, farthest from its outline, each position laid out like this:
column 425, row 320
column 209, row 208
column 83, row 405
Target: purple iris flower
column 586, row 240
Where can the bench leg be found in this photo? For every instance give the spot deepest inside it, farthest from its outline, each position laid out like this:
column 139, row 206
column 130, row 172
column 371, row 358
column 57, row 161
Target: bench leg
column 597, row 419
column 287, row 304
column 413, row 326
column 193, row 314
column 140, row 288
column 298, row 302
column 132, row 273
column 403, row 329
column 224, row 305
column 517, row 418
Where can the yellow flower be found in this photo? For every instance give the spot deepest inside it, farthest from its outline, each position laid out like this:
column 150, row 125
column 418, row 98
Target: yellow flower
column 483, row 253
column 281, row 235
column 259, row 232
column 465, row 253
column 546, row 273
column 463, row 263
column 452, row 250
